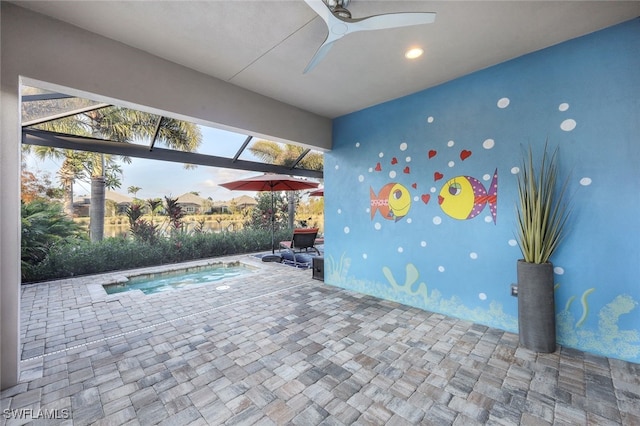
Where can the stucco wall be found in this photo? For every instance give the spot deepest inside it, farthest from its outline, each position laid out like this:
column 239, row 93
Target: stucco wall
column 399, row 243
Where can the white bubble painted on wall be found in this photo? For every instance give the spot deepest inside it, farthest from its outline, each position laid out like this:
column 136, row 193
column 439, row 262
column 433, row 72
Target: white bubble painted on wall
column 585, row 181
column 409, row 220
column 381, row 155
column 408, row 159
column 433, row 189
column 451, row 163
column 568, row 125
column 437, row 220
column 377, row 226
column 488, row 144
column 482, row 296
column 486, row 177
column 503, row 102
column 440, row 268
column 416, row 198
column 429, row 119
column 512, row 242
column 370, row 169
column 473, row 255
column 558, row 270
column 563, row 106
column 423, row 243
column 346, row 230
column 364, row 255
column 392, row 174
column 360, row 178
column 450, row 144
column 400, row 249
column 337, row 167
column 515, row 170
column 339, row 211
column 488, row 219
column 403, row 146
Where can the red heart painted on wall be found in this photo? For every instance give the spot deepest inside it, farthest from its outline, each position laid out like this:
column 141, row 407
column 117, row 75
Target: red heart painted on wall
column 464, row 154
column 378, row 167
column 426, row 198
column 407, row 170
column 394, row 160
column 432, row 153
column 414, row 185
column 437, row 176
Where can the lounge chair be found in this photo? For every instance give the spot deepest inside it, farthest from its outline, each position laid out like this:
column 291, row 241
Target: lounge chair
column 296, row 251
column 302, row 240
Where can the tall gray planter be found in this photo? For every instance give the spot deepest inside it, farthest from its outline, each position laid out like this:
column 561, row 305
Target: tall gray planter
column 536, row 307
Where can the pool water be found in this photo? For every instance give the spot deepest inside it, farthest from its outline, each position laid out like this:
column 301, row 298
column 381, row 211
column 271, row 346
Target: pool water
column 177, row 280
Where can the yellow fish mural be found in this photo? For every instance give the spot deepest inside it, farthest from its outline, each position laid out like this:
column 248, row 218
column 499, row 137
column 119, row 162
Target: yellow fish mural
column 464, row 197
column 393, row 201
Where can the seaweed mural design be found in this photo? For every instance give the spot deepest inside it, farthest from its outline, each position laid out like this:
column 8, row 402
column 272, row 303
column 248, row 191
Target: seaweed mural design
column 607, row 339
column 336, row 272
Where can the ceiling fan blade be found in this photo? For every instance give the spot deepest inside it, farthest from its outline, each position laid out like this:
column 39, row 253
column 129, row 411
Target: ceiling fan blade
column 322, row 51
column 321, row 8
column 390, row 20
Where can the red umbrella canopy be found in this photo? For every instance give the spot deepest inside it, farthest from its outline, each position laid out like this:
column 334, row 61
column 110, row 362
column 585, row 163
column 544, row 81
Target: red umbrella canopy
column 270, row 182
column 317, row 193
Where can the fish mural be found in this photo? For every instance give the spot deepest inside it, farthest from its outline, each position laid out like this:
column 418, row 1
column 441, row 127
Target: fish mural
column 464, row 197
column 393, row 201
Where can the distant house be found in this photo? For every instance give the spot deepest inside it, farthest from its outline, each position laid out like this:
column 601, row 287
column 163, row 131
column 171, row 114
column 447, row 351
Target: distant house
column 192, row 203
column 244, row 202
column 82, row 203
column 241, row 203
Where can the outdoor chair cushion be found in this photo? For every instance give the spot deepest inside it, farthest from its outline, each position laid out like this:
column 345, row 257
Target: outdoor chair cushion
column 298, row 260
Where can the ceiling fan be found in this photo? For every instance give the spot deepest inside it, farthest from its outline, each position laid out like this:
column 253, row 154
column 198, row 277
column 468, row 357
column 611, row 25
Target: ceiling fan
column 340, row 23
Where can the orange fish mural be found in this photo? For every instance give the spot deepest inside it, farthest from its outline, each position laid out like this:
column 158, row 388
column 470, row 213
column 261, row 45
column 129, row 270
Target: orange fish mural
column 393, row 201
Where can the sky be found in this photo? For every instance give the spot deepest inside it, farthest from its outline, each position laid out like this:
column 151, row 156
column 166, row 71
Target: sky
column 161, row 178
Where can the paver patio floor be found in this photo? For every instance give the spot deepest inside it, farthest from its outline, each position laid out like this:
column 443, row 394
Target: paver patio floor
column 278, row 347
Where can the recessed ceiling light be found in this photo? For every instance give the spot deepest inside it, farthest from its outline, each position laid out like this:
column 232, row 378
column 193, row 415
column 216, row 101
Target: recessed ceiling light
column 413, row 53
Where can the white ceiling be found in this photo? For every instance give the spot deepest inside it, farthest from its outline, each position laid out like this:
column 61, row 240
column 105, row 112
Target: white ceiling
column 265, row 45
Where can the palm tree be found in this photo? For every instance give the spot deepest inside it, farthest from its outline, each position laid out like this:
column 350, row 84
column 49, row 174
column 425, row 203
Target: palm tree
column 120, row 125
column 154, row 205
column 133, row 190
column 286, row 155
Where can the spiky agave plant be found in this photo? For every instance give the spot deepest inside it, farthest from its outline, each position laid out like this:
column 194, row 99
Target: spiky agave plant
column 542, row 208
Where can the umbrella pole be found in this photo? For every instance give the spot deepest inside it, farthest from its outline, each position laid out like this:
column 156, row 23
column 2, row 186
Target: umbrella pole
column 273, row 243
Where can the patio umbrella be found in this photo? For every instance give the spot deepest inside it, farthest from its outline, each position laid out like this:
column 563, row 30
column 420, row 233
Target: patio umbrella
column 317, row 193
column 272, row 183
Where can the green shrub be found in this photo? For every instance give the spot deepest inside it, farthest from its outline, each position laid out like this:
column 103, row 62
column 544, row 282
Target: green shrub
column 45, row 226
column 111, row 254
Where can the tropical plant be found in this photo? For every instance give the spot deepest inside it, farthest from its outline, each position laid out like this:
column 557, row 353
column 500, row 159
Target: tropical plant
column 175, row 213
column 542, row 209
column 44, row 225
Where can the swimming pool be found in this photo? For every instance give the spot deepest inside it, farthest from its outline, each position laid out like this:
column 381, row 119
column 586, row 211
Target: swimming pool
column 177, row 280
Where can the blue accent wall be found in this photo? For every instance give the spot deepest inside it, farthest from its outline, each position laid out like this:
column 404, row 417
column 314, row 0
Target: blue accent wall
column 387, row 234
